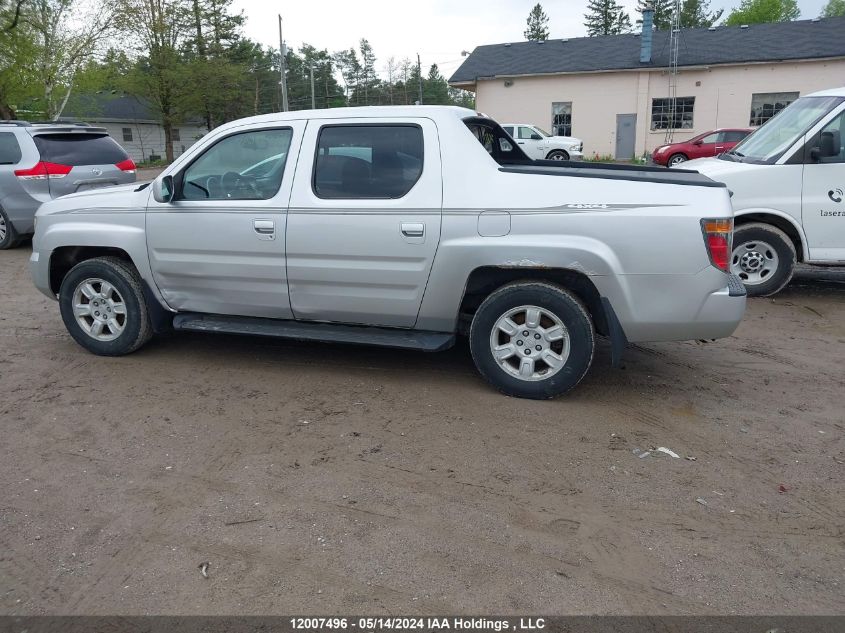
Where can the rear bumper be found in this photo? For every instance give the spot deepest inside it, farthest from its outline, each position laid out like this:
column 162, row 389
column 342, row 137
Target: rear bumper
column 654, row 308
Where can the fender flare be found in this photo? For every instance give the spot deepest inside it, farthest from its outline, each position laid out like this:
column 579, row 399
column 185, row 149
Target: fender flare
column 783, row 216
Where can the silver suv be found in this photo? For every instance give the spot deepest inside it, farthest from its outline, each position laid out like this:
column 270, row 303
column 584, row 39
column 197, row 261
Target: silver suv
column 42, row 161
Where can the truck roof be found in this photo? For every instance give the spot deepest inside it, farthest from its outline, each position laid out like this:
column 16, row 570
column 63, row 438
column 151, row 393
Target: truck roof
column 832, row 92
column 364, row 112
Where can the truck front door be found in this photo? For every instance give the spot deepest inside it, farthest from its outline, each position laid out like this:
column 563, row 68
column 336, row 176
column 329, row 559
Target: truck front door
column 219, row 246
column 364, row 220
column 823, row 193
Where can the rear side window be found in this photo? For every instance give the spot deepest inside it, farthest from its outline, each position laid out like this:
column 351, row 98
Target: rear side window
column 10, row 151
column 79, row 149
column 735, row 137
column 367, row 161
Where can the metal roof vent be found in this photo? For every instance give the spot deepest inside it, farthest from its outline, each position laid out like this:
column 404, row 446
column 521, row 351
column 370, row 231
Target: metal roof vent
column 712, row 28
column 816, row 20
column 564, row 41
column 637, row 34
column 743, row 26
column 540, row 41
column 508, row 44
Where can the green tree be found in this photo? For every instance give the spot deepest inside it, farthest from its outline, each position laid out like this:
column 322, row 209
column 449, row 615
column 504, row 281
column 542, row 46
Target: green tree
column 350, row 70
column 17, row 49
column 662, row 12
column 606, row 17
column 833, row 9
column 760, row 11
column 697, row 14
column 537, row 24
column 435, row 88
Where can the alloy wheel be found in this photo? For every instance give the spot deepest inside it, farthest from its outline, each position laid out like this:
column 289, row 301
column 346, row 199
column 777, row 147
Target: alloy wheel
column 530, row 343
column 99, row 309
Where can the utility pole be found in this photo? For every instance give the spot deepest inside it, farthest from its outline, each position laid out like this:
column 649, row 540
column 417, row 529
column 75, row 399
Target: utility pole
column 313, row 102
column 283, row 81
column 419, row 76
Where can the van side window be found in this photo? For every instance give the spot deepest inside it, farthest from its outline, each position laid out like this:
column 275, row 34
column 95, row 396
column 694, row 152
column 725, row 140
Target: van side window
column 244, row 166
column 367, row 161
column 10, row 151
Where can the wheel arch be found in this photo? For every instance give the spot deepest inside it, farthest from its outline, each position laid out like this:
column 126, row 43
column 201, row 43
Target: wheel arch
column 484, row 280
column 780, row 220
column 558, row 149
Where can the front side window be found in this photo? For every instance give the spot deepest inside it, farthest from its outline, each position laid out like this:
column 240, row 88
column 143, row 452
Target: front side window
column 10, row 150
column 562, row 118
column 675, row 114
column 245, row 166
column 765, row 105
column 710, row 138
column 525, row 132
column 367, row 161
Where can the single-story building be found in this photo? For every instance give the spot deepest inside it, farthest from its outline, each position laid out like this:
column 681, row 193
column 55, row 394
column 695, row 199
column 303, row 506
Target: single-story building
column 599, row 90
column 131, row 122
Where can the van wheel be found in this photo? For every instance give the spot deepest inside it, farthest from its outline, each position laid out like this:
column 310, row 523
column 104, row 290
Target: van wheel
column 558, row 154
column 676, row 159
column 8, row 236
column 763, row 257
column 532, row 340
column 103, row 307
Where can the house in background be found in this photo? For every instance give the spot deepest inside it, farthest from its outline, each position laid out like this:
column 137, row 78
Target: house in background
column 614, row 91
column 131, row 122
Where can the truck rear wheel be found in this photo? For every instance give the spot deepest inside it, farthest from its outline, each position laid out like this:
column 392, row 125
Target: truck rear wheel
column 532, row 340
column 763, row 258
column 103, row 306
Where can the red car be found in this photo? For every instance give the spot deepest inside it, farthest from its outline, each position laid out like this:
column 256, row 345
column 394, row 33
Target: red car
column 702, row 146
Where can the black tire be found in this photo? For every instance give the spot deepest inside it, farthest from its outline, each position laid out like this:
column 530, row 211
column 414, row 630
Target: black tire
column 750, row 236
column 11, row 237
column 137, row 329
column 676, row 159
column 554, row 299
column 558, row 154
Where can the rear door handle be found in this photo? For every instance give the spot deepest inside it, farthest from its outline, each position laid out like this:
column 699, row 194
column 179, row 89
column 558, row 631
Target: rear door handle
column 412, row 229
column 266, row 229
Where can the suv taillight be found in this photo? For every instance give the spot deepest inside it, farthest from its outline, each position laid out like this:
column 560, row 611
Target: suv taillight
column 717, row 238
column 43, row 170
column 127, row 165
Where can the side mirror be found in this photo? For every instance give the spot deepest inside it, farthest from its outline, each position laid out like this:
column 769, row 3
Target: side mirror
column 699, row 142
column 831, row 143
column 536, row 137
column 163, row 189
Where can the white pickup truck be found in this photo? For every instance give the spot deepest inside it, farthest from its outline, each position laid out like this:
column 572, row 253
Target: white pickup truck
column 401, row 227
column 788, row 185
column 540, row 145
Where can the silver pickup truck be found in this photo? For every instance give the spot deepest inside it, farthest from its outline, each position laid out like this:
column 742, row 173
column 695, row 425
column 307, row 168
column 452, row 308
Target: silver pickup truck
column 402, row 227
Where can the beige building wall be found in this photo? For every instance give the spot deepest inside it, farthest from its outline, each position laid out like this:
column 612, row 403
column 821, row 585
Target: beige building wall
column 722, row 98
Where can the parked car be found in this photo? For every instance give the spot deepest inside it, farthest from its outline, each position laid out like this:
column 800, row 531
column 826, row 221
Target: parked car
column 400, row 227
column 39, row 162
column 539, row 144
column 702, row 146
column 788, row 184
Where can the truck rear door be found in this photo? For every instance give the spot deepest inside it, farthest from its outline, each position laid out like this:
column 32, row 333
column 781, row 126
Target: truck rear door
column 364, row 220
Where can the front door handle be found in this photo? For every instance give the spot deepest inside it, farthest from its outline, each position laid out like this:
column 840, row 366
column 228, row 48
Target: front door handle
column 412, row 229
column 266, row 229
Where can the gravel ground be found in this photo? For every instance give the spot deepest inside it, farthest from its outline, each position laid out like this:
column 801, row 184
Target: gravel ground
column 319, row 479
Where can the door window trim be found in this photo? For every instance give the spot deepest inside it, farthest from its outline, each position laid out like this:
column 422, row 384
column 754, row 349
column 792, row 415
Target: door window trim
column 178, row 177
column 367, row 124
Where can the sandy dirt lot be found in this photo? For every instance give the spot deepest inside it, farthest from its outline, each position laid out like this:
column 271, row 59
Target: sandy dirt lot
column 320, row 479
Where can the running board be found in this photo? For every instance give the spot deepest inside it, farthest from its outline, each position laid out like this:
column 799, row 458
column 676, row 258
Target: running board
column 324, row 332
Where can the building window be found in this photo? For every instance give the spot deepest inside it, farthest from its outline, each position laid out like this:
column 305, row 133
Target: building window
column 562, row 118
column 175, row 134
column 765, row 105
column 127, row 134
column 665, row 116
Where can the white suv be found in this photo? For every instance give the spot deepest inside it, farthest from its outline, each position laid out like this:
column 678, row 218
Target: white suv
column 540, row 145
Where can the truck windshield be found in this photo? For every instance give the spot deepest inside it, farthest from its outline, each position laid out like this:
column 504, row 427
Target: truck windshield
column 542, row 132
column 768, row 144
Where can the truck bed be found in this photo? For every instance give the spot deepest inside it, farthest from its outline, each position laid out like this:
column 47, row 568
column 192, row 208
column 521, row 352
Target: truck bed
column 612, row 171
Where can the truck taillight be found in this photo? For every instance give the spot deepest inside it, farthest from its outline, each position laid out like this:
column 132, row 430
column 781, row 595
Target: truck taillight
column 127, row 165
column 717, row 238
column 43, row 170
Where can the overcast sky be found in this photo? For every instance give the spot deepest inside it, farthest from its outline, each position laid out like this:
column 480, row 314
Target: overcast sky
column 436, row 29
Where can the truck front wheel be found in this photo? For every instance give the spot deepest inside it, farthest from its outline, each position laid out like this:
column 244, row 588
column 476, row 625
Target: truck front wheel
column 103, row 306
column 532, row 340
column 763, row 258
column 558, row 154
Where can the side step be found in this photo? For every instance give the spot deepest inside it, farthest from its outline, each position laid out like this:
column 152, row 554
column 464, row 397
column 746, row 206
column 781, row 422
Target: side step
column 324, row 332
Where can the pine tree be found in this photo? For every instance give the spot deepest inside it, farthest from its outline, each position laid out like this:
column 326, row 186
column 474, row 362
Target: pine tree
column 697, row 14
column 537, row 24
column 662, row 12
column 606, row 17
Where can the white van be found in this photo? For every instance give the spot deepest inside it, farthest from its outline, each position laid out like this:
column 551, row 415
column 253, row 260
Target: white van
column 788, row 186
